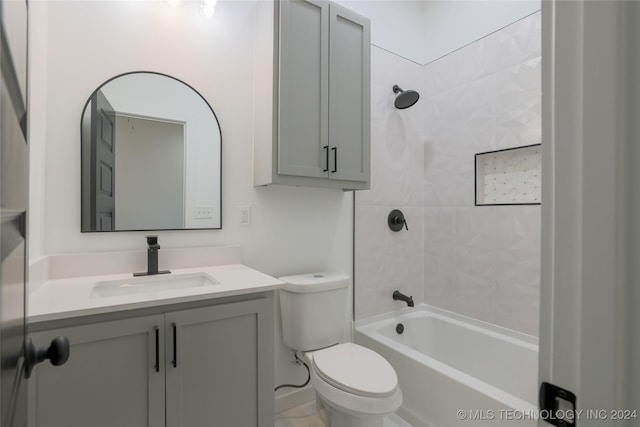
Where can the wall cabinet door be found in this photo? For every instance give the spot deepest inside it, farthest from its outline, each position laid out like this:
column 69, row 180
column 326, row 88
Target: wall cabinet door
column 219, row 366
column 323, row 94
column 304, row 89
column 114, row 376
column 349, row 95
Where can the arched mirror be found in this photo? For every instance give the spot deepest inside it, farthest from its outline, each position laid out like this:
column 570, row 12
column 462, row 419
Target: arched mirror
column 151, row 148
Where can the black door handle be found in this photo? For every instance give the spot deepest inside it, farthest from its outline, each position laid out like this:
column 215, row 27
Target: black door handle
column 57, row 353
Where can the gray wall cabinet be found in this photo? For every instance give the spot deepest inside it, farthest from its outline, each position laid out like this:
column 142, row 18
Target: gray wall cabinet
column 318, row 100
column 212, row 365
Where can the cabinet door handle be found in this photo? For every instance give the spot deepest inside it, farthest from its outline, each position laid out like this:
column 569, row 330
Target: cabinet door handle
column 157, row 332
column 326, row 152
column 335, row 159
column 174, row 362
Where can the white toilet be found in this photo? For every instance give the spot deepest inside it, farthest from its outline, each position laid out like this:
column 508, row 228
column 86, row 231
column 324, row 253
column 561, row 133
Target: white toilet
column 355, row 386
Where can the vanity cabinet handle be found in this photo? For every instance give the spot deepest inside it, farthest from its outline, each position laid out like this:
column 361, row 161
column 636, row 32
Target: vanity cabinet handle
column 335, row 159
column 174, row 362
column 157, row 332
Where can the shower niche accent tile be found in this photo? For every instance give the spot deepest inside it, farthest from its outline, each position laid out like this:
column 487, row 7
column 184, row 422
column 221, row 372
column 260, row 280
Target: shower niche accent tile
column 508, row 177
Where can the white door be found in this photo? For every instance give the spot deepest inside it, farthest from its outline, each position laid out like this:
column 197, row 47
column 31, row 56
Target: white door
column 14, row 200
column 590, row 295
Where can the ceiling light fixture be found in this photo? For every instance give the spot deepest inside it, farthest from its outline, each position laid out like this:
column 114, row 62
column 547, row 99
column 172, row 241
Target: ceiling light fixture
column 208, row 7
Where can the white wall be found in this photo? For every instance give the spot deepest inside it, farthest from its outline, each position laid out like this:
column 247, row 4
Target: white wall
column 452, row 24
column 38, row 23
column 293, row 230
column 425, row 30
column 149, row 175
column 396, row 25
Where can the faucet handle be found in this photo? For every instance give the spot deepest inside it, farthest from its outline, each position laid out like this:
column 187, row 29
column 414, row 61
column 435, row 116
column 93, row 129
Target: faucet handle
column 396, row 220
column 152, row 239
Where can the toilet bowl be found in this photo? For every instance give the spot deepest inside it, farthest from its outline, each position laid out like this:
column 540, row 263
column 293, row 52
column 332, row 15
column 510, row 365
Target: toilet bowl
column 355, row 386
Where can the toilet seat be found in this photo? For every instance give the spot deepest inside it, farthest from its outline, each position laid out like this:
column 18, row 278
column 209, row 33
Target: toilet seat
column 348, row 398
column 356, row 370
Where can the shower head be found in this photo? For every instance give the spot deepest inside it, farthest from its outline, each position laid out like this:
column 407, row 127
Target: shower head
column 406, row 98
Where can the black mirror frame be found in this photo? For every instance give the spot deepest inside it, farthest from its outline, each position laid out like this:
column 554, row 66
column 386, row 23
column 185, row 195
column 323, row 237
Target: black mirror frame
column 84, row 109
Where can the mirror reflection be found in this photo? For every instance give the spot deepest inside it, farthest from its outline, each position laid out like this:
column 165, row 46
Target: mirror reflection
column 150, row 152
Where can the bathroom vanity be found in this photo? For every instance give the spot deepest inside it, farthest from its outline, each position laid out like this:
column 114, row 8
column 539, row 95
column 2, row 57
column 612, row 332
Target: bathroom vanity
column 198, row 352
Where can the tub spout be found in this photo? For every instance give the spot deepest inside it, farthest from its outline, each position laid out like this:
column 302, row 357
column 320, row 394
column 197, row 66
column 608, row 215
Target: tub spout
column 398, row 296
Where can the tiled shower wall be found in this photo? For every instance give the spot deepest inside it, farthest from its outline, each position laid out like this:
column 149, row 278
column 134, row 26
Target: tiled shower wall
column 478, row 261
column 384, row 260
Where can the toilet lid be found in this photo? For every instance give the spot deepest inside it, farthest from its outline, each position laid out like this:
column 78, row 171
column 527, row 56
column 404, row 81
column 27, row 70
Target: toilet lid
column 355, row 369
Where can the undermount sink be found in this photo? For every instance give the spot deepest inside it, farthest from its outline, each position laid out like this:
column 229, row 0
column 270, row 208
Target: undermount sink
column 149, row 284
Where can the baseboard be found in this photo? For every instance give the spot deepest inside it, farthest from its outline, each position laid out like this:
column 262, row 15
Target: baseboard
column 409, row 417
column 294, row 398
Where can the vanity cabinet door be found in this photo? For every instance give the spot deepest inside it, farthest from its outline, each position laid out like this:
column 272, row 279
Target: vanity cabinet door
column 114, row 376
column 219, row 365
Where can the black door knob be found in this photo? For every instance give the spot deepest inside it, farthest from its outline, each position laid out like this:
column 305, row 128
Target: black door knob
column 57, row 353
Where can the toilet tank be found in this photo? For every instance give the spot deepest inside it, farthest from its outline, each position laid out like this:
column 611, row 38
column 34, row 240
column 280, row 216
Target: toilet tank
column 313, row 308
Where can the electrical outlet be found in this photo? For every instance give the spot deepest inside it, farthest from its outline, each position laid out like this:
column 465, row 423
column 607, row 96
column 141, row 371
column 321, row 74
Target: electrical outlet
column 245, row 215
column 204, row 212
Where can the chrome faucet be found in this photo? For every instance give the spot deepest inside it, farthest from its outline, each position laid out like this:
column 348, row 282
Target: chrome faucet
column 397, row 296
column 152, row 258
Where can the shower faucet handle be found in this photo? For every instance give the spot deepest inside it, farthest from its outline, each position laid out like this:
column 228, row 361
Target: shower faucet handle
column 396, row 220
column 404, row 221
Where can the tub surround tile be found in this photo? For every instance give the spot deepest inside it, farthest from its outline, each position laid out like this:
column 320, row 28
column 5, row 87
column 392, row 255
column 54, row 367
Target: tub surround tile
column 518, row 278
column 494, row 275
column 407, row 252
column 373, row 266
column 518, row 104
column 385, row 264
column 482, row 262
column 397, row 143
column 439, row 256
column 475, row 249
column 441, row 179
column 519, row 42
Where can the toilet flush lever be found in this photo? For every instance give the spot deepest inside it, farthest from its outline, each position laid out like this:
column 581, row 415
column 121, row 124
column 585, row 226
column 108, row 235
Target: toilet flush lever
column 396, row 220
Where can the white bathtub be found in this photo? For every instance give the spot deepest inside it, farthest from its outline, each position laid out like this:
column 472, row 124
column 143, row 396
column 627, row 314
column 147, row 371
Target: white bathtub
column 447, row 363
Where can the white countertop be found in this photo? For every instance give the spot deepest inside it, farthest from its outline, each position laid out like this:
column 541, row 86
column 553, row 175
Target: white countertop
column 72, row 297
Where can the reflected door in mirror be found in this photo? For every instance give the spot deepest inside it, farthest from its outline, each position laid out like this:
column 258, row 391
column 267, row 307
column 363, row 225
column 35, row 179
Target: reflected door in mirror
column 102, row 163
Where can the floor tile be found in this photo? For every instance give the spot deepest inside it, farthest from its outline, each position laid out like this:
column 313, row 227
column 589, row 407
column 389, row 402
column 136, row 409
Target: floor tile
column 305, row 416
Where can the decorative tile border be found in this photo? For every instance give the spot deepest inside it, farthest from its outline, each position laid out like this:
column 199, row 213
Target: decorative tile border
column 508, row 177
